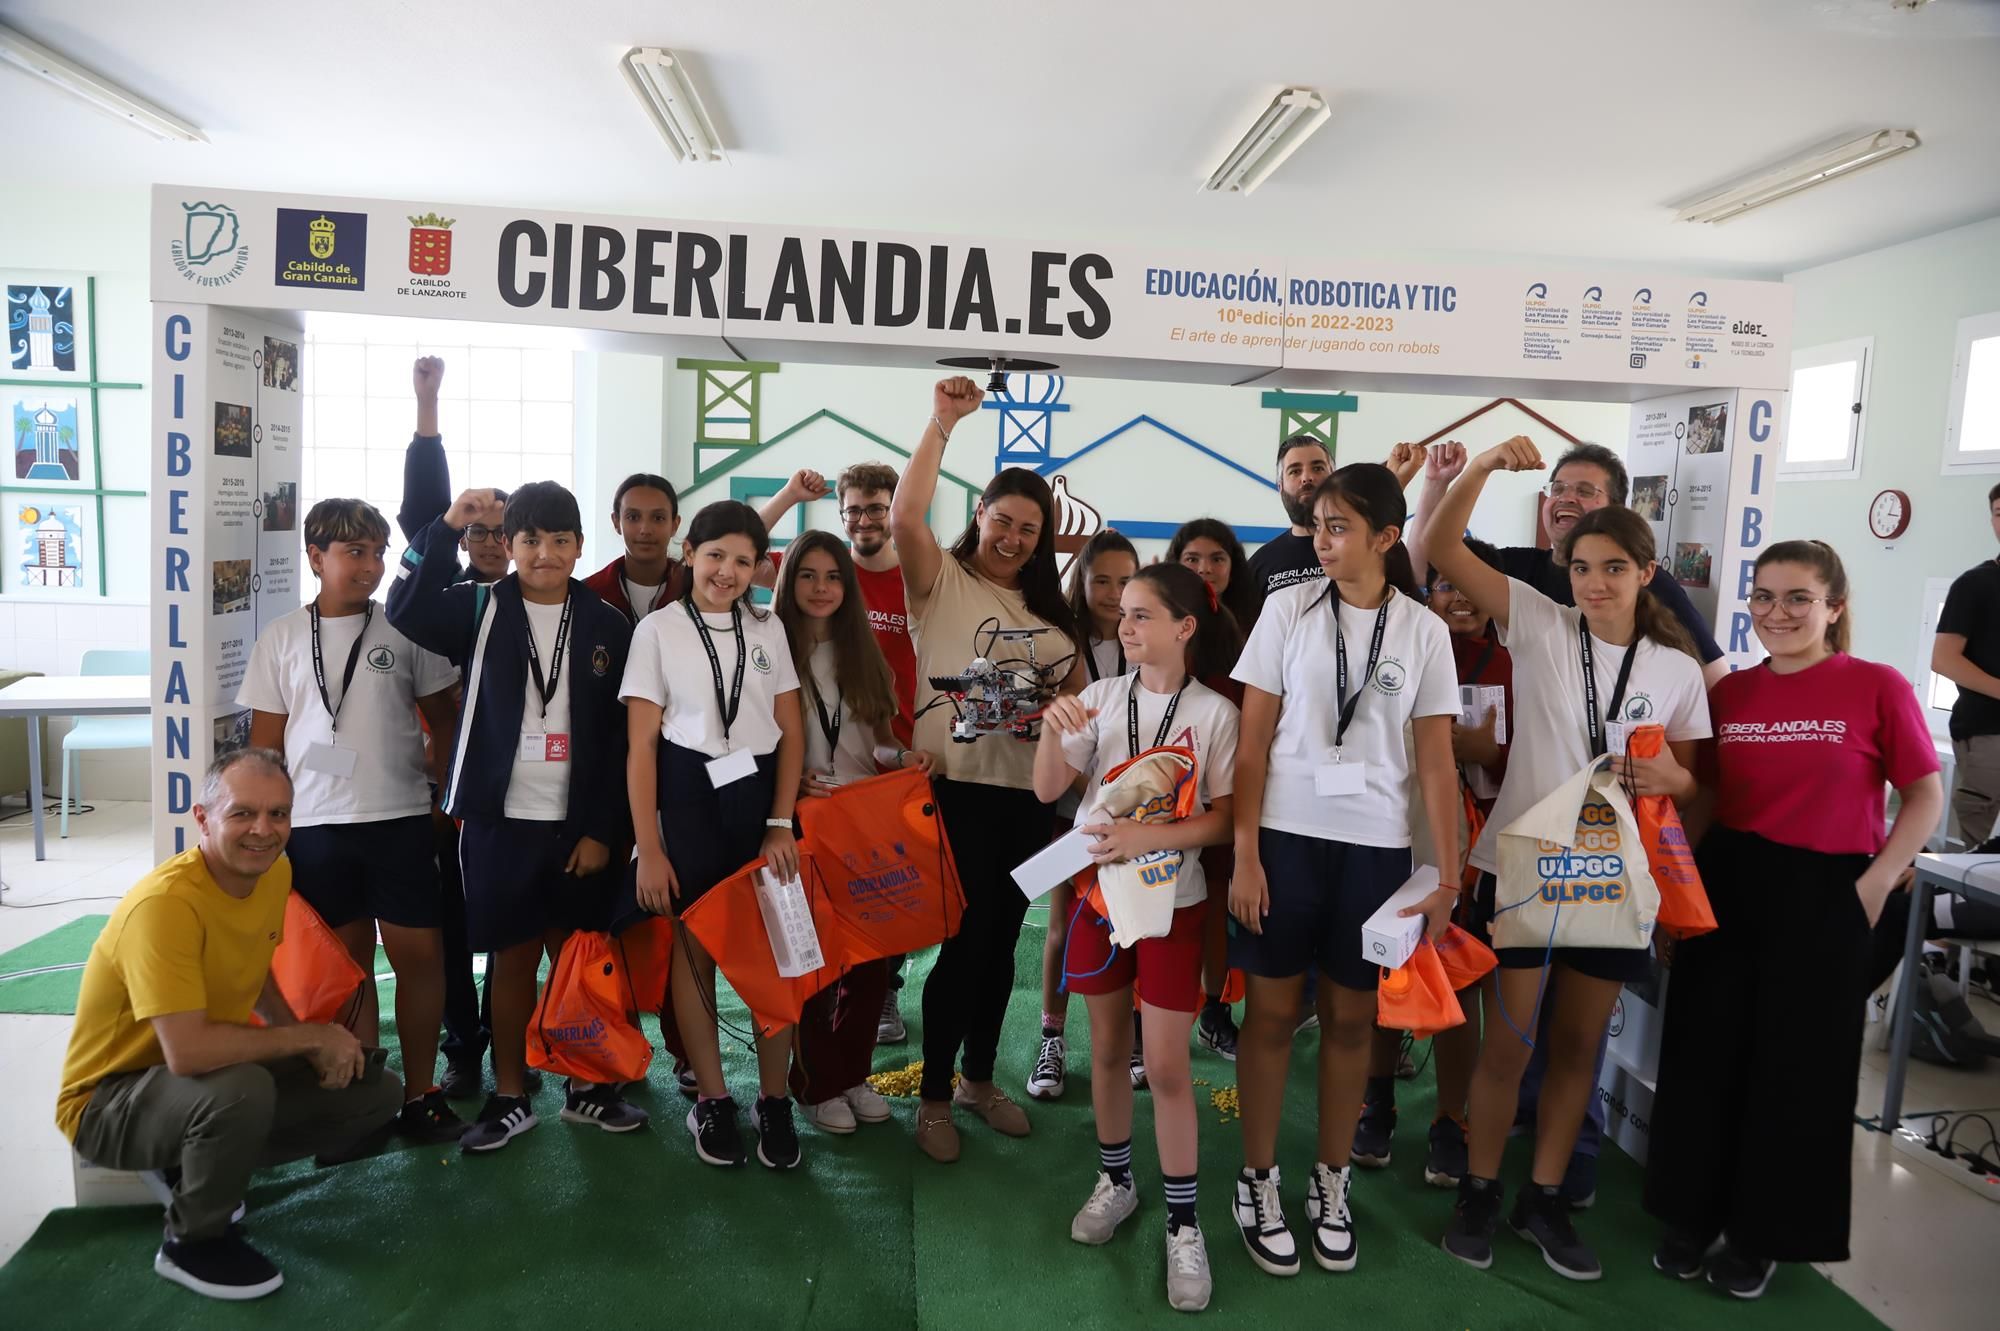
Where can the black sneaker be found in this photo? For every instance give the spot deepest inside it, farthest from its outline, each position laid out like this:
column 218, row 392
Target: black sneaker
column 1377, row 1128
column 226, row 1267
column 601, row 1107
column 777, row 1135
column 531, row 1081
column 1217, row 1031
column 1446, row 1163
column 461, row 1081
column 429, row 1119
column 501, row 1119
column 1473, row 1220
column 684, row 1079
column 1736, row 1272
column 1579, row 1185
column 1541, row 1216
column 712, row 1124
column 1680, row 1255
column 1260, row 1217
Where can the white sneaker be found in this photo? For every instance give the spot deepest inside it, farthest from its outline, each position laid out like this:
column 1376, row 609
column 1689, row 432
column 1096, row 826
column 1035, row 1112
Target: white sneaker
column 833, row 1115
column 1051, row 1069
column 1188, row 1281
column 867, row 1103
column 1138, row 1069
column 1261, row 1218
column 1108, row 1207
column 1332, row 1222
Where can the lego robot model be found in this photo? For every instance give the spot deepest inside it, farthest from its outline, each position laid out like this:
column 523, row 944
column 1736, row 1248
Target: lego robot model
column 1000, row 695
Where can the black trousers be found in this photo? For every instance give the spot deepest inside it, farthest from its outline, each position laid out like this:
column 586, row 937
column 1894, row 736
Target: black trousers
column 991, row 829
column 1753, row 1125
column 468, row 1005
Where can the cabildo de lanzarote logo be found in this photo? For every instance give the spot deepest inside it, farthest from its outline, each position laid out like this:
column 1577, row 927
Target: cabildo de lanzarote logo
column 209, row 251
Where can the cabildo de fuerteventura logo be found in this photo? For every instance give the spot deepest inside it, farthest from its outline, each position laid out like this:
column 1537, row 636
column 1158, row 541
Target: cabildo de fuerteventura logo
column 208, row 252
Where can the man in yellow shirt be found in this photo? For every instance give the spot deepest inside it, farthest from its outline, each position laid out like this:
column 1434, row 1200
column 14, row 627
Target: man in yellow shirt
column 165, row 1071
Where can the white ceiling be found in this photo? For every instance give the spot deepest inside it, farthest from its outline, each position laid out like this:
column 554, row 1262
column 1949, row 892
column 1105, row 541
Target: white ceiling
column 1457, row 127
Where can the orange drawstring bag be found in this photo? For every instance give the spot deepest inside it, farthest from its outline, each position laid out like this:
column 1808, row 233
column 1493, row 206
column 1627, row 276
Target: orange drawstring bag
column 1684, row 909
column 1417, row 996
column 730, row 926
column 585, row 1024
column 312, row 968
column 885, row 867
column 648, row 951
column 1466, row 960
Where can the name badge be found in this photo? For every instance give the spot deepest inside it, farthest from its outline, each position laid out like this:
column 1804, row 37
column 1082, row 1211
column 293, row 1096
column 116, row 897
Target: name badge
column 1331, row 779
column 330, row 759
column 1615, row 735
column 542, row 748
column 731, row 767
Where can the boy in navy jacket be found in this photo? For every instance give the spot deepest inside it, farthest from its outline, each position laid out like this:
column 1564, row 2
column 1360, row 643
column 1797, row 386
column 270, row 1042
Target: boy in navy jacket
column 537, row 773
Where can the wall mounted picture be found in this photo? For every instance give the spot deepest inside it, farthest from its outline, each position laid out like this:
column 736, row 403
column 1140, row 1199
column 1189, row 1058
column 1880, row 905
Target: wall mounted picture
column 1708, row 428
column 232, row 430
column 281, row 365
column 280, row 507
column 49, row 549
column 230, row 585
column 231, row 732
column 48, row 438
column 42, row 331
column 1649, row 497
column 1692, row 564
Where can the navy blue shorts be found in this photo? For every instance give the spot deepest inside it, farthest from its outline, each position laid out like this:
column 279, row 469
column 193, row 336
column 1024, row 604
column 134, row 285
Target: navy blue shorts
column 1623, row 964
column 515, row 887
column 1322, row 892
column 383, row 871
column 709, row 833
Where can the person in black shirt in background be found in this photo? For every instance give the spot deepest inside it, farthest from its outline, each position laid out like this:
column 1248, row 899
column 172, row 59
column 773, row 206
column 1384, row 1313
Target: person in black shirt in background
column 1304, row 461
column 1967, row 652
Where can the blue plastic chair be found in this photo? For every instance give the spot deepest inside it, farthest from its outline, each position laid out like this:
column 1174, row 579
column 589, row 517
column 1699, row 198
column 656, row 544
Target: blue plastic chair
column 106, row 732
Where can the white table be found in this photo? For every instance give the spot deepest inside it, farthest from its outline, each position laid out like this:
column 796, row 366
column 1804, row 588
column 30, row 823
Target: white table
column 40, row 696
column 1975, row 877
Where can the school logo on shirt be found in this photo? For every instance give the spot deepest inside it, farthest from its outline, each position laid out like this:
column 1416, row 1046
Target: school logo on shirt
column 1639, row 707
column 1390, row 676
column 761, row 659
column 600, row 661
column 382, row 659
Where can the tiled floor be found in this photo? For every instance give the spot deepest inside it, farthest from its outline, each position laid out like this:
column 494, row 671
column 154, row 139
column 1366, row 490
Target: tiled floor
column 1926, row 1251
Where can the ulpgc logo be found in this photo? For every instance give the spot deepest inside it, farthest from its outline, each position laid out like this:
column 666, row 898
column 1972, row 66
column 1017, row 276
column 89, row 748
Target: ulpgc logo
column 322, row 249
column 208, row 252
column 1593, row 296
column 1538, row 291
column 1698, row 301
column 1642, row 298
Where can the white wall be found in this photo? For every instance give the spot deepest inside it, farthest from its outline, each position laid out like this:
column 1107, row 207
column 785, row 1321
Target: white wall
column 1909, row 298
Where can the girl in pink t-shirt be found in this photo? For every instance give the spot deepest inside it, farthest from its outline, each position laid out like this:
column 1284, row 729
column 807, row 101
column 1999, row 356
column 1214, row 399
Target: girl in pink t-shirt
column 1767, row 1010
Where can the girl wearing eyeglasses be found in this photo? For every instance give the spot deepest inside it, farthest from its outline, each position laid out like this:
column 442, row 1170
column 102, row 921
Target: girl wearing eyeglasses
column 1768, row 1009
column 1582, row 675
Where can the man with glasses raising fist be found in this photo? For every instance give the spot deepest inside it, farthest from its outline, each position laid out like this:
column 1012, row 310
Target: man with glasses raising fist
column 1586, row 478
column 864, row 491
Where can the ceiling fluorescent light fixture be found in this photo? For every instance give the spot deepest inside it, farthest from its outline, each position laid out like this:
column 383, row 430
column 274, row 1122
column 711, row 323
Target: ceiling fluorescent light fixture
column 1814, row 169
column 95, row 89
column 659, row 80
column 1279, row 129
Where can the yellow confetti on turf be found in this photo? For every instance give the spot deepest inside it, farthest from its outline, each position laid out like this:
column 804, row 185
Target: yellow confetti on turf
column 903, row 1083
column 1224, row 1101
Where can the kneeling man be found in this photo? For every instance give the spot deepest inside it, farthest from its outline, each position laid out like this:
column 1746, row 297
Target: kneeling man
column 165, row 1072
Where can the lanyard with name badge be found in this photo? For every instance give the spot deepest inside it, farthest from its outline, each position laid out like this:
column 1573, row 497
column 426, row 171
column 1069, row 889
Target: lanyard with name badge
column 331, row 758
column 1132, row 717
column 733, row 765
column 536, row 745
column 829, row 727
column 1340, row 777
column 1602, row 732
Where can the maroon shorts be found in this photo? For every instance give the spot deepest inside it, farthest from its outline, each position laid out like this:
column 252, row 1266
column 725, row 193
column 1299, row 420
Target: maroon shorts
column 1167, row 970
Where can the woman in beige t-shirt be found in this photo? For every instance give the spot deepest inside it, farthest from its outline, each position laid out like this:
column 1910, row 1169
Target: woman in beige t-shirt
column 1001, row 573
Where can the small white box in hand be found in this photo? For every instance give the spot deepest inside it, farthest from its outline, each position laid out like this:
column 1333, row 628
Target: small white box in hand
column 1387, row 939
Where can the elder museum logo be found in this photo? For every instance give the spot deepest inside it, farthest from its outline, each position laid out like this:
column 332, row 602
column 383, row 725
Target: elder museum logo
column 208, row 252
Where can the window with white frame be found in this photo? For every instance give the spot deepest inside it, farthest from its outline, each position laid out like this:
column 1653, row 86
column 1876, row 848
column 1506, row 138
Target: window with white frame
column 506, row 413
column 1828, row 412
column 1972, row 428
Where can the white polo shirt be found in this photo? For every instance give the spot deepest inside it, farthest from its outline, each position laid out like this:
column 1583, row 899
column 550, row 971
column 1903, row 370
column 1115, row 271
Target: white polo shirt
column 1204, row 721
column 1292, row 653
column 378, row 714
column 668, row 668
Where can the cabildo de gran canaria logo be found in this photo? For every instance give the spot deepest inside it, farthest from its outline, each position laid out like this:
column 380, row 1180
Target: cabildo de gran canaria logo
column 1592, row 871
column 208, row 252
column 322, row 249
